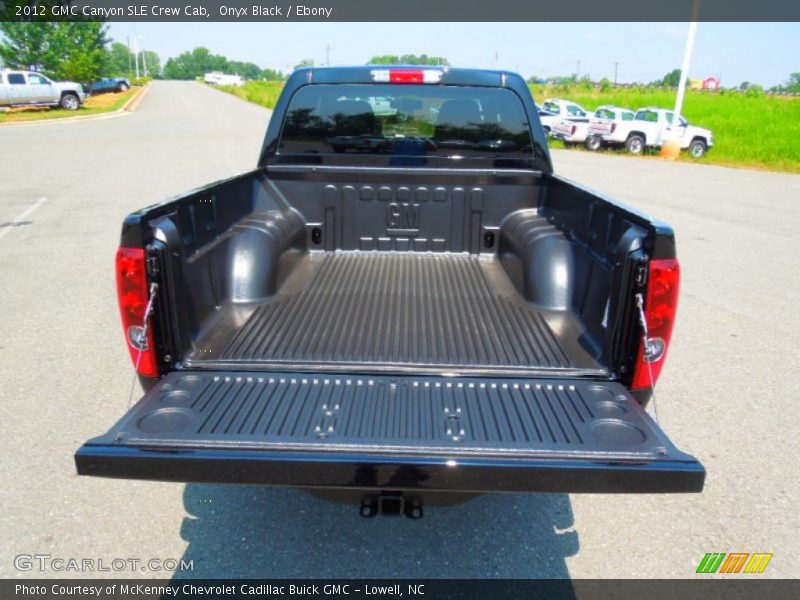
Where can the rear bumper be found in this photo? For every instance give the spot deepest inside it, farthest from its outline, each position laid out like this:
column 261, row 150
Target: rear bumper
column 375, row 472
column 577, row 137
column 608, row 138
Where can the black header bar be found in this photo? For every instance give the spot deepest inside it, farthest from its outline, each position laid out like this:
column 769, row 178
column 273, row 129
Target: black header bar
column 404, row 11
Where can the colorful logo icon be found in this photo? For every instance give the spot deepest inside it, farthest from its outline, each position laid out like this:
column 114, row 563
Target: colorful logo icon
column 734, row 562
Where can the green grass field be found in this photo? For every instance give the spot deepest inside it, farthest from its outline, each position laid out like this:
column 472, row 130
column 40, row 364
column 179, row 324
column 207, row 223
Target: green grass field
column 264, row 93
column 761, row 132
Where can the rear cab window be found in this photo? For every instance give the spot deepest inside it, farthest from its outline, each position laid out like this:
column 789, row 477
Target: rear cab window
column 575, row 111
column 604, row 113
column 647, row 115
column 552, row 107
column 420, row 121
column 16, row 79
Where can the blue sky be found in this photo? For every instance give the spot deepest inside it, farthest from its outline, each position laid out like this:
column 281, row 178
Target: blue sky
column 763, row 53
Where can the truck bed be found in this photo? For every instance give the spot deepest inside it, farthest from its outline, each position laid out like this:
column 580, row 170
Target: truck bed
column 389, row 313
column 397, row 311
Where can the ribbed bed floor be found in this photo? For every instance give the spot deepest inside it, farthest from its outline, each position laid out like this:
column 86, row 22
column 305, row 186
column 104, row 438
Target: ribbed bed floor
column 401, row 309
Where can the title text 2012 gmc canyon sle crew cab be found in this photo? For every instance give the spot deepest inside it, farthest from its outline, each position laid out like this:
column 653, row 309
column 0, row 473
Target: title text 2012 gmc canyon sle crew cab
column 397, row 309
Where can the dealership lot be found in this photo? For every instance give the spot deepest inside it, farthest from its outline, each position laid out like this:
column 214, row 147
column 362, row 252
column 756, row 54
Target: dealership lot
column 728, row 393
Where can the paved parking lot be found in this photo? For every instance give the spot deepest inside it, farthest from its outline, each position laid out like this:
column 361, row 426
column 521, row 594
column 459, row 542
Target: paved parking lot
column 728, row 393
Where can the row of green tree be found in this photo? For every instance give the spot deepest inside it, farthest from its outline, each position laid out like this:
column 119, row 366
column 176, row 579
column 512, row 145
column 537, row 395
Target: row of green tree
column 75, row 51
column 408, row 59
column 122, row 62
column 82, row 51
column 392, row 59
column 671, row 80
column 79, row 51
column 792, row 85
column 200, row 61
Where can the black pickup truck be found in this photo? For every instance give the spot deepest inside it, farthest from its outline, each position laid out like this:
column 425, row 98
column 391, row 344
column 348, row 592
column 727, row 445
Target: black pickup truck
column 402, row 304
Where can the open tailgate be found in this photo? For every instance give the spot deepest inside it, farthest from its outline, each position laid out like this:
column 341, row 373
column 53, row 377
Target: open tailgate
column 392, row 432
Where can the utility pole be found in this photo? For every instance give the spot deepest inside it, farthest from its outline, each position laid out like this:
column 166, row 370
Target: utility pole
column 578, row 70
column 687, row 57
column 144, row 61
column 616, row 64
column 327, row 55
column 136, row 55
column 670, row 149
column 130, row 66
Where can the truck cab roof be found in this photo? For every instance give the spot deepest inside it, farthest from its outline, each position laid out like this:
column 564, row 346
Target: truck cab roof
column 609, row 112
column 375, row 73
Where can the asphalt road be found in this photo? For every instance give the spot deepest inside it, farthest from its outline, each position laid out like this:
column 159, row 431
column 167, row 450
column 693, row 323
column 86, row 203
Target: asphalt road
column 728, row 393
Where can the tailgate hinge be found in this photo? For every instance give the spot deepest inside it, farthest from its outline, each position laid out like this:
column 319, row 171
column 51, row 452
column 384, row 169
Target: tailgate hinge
column 640, row 274
column 648, row 348
column 152, row 262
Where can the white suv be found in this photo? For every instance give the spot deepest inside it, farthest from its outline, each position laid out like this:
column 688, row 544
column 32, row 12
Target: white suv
column 26, row 88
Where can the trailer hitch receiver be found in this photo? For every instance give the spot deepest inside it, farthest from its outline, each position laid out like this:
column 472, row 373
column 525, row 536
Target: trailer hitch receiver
column 391, row 504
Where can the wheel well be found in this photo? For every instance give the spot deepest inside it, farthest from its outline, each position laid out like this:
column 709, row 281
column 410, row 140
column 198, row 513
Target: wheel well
column 639, row 133
column 699, row 138
column 70, row 93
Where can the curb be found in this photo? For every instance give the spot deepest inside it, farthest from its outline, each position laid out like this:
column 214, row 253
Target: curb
column 133, row 103
column 130, row 106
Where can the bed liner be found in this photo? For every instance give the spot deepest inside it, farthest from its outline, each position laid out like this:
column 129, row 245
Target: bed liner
column 398, row 311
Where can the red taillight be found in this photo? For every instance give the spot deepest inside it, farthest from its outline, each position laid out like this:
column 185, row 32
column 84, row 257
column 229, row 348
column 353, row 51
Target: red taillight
column 661, row 304
column 613, row 127
column 133, row 294
column 406, row 76
column 573, row 129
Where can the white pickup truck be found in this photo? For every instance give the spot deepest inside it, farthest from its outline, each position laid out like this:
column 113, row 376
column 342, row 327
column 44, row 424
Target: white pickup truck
column 26, row 88
column 604, row 124
column 554, row 110
column 651, row 126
